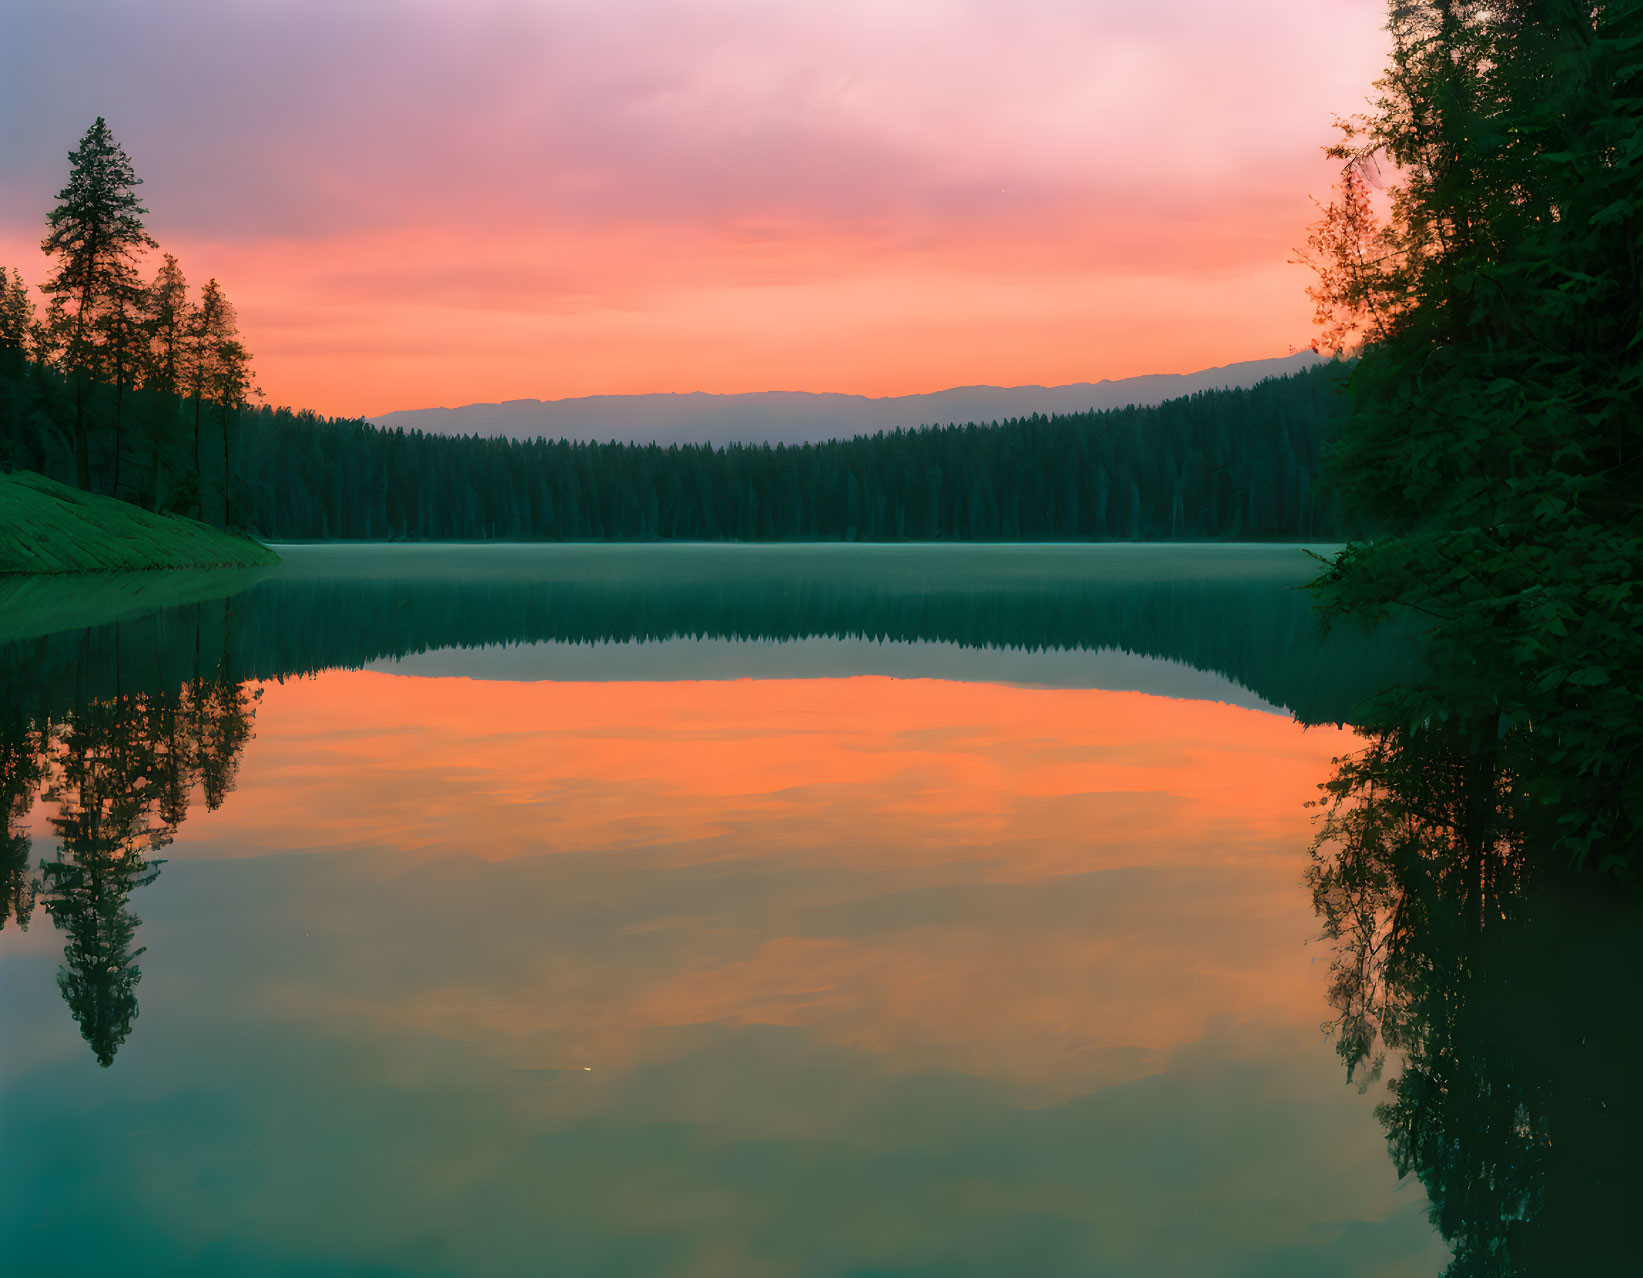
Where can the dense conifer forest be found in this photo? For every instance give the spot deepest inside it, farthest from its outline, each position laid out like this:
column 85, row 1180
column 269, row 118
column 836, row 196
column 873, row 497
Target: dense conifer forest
column 1219, row 464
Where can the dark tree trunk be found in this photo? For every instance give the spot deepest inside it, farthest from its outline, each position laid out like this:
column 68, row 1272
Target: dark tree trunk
column 82, row 451
column 199, row 476
column 227, row 484
column 119, row 408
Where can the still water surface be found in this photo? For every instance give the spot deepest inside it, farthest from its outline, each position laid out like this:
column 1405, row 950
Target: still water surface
column 700, row 911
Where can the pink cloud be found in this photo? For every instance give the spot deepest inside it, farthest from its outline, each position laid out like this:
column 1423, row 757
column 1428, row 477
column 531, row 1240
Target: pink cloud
column 357, row 167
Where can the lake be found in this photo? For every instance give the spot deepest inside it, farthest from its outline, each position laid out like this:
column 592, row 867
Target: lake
column 616, row 910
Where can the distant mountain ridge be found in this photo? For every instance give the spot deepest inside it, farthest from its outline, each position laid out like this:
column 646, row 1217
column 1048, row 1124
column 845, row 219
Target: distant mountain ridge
column 794, row 417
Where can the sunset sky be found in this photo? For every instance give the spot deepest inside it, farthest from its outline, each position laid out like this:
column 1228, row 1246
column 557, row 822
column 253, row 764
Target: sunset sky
column 421, row 202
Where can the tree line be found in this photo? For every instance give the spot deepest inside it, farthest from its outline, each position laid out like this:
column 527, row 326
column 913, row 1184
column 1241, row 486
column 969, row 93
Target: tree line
column 1237, row 464
column 131, row 388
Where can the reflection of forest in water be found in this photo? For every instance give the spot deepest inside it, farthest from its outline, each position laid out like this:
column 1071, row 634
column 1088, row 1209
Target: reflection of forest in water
column 1260, row 632
column 1498, row 982
column 121, row 771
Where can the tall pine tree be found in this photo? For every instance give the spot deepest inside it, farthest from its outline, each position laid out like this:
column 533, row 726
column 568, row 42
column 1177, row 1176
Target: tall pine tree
column 166, row 317
column 120, row 352
column 217, row 369
column 229, row 382
column 165, row 324
column 95, row 234
column 200, row 339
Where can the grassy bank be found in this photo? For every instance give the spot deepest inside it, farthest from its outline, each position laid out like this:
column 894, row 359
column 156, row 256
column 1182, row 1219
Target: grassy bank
column 48, row 527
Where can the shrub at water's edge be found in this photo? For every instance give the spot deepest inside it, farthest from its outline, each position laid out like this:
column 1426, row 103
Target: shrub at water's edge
column 47, row 527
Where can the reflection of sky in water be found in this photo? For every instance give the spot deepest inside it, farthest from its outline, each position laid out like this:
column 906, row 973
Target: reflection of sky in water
column 827, row 658
column 777, row 976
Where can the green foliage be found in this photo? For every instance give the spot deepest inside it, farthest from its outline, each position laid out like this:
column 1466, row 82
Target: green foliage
column 217, row 366
column 1496, row 424
column 49, row 527
column 1493, row 443
column 95, row 232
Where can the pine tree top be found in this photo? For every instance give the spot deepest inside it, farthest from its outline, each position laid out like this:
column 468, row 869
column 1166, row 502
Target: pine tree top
column 98, row 220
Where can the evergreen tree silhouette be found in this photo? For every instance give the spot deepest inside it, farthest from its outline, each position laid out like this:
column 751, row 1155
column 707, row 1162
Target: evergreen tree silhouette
column 166, row 310
column 165, row 322
column 95, row 233
column 16, row 311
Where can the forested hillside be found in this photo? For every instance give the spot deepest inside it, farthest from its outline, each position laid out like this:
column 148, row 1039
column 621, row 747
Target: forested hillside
column 1218, row 464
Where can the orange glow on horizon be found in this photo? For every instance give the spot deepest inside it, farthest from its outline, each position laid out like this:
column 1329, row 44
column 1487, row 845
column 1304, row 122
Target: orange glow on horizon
column 348, row 328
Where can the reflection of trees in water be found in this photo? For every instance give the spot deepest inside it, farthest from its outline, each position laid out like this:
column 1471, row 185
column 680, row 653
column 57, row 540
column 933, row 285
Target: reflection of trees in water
column 1500, row 982
column 120, row 771
column 22, row 769
column 1255, row 631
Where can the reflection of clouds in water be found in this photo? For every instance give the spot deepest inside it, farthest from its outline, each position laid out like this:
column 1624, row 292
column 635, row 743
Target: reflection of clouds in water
column 1052, row 888
column 1053, row 988
column 500, row 770
column 630, row 978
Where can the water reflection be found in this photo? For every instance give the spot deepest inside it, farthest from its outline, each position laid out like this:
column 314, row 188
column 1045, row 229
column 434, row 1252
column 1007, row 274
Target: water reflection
column 1236, row 612
column 639, row 974
column 732, row 979
column 119, row 772
column 22, row 769
column 1495, row 982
